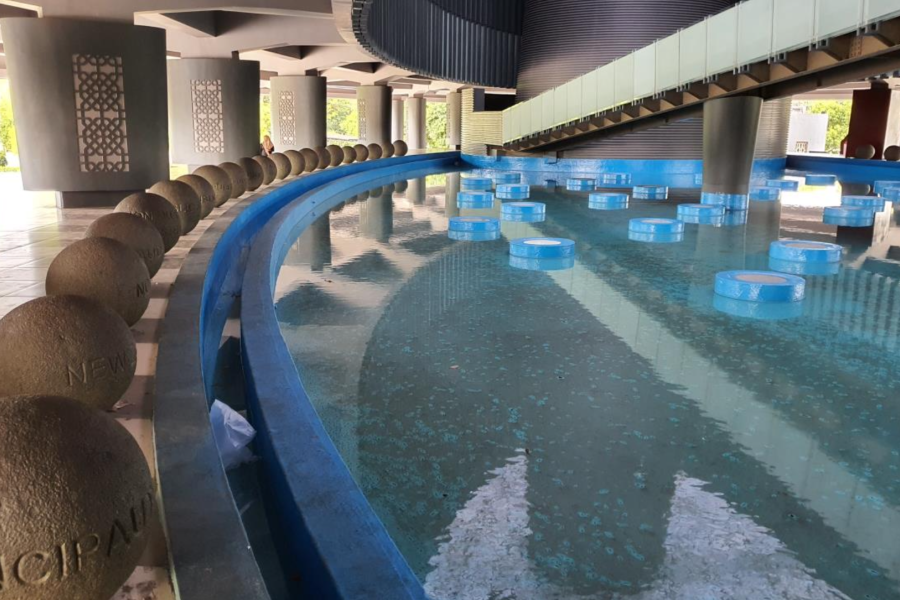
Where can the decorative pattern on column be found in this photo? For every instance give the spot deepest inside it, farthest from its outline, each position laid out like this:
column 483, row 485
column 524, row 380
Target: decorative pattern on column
column 100, row 113
column 209, row 116
column 286, row 119
column 361, row 110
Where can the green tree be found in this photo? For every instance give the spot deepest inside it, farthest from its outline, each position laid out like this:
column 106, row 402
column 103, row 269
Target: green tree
column 265, row 115
column 436, row 125
column 342, row 118
column 838, row 112
column 7, row 126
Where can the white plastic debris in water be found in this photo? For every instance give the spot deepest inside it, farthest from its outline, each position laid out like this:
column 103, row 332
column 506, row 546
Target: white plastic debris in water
column 233, row 434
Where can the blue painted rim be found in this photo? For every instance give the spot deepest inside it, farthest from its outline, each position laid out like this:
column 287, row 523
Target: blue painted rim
column 474, row 224
column 875, row 203
column 542, row 247
column 700, row 210
column 760, row 286
column 655, row 225
column 805, row 251
column 820, row 179
column 848, row 216
column 614, row 179
column 542, row 264
column 765, row 194
column 580, row 184
column 523, row 208
column 787, row 185
column 327, row 527
column 762, row 311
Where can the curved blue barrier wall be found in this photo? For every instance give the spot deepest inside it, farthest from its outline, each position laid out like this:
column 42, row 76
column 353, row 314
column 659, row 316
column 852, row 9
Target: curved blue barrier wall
column 325, row 530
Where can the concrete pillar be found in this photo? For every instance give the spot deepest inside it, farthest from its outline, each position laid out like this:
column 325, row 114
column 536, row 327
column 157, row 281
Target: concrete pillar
column 313, row 247
column 89, row 105
column 415, row 123
column 729, row 138
column 416, row 191
column 374, row 107
column 874, row 119
column 454, row 120
column 451, row 195
column 213, row 110
column 376, row 215
column 298, row 112
column 396, row 120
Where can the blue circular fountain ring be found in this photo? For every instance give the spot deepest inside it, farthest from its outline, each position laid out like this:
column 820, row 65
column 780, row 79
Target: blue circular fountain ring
column 820, row 179
column 580, row 184
column 474, row 236
column 848, row 216
column 513, row 191
column 608, row 201
column 707, row 211
column 542, row 248
column 762, row 311
column 500, row 178
column 475, row 200
column 805, row 251
column 542, row 264
column 655, row 225
column 655, row 238
column 650, row 192
column 474, row 224
column 760, row 286
column 728, row 201
column 765, row 194
column 879, row 187
column 875, row 203
column 477, row 183
column 787, row 185
column 523, row 208
column 804, row 268
column 614, row 179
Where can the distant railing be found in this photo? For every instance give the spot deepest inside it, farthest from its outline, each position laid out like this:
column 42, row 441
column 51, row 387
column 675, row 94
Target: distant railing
column 750, row 32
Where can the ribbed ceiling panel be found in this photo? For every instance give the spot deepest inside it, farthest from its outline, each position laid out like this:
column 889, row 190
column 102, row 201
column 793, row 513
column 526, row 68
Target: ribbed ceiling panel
column 562, row 39
column 467, row 41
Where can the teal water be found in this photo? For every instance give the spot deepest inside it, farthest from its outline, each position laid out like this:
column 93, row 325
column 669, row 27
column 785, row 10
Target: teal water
column 605, row 431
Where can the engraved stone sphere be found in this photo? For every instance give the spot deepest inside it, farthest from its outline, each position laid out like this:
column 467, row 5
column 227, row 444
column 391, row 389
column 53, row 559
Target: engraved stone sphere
column 66, row 345
column 855, row 189
column 204, row 191
column 103, row 270
column 324, row 157
column 310, row 158
column 282, row 165
column 336, row 154
column 387, row 150
column 158, row 211
column 78, row 500
column 254, row 172
column 401, row 186
column 268, row 168
column 134, row 232
column 298, row 163
column 362, row 152
column 375, row 151
column 892, row 153
column 349, row 154
column 219, row 180
column 183, row 198
column 865, row 152
column 400, row 148
column 238, row 177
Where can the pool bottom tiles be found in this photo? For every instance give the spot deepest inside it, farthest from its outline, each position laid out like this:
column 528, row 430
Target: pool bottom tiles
column 603, row 430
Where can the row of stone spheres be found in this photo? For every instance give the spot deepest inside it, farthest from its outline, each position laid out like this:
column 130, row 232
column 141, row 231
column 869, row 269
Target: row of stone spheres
column 77, row 497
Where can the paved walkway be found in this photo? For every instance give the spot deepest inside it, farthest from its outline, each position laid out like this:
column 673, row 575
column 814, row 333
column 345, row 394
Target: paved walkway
column 32, row 233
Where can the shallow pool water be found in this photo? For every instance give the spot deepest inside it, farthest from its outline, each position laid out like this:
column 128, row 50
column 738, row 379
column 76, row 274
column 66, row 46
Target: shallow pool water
column 607, row 429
